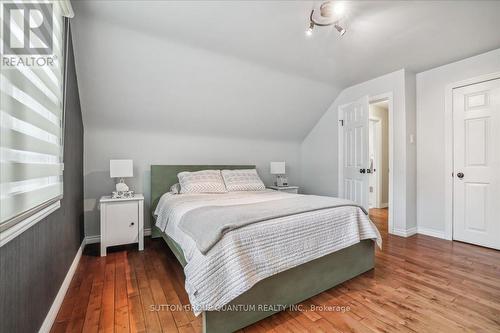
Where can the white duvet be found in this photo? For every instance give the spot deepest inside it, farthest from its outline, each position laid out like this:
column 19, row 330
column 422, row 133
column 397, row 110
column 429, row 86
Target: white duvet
column 252, row 253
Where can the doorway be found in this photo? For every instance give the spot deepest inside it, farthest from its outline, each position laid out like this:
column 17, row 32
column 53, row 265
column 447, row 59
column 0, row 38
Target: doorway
column 378, row 172
column 354, row 167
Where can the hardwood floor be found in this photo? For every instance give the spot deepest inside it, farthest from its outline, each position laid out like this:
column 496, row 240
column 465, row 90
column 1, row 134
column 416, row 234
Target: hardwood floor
column 379, row 217
column 419, row 284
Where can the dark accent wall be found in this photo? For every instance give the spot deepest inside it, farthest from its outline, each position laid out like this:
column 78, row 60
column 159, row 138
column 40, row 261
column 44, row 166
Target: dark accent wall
column 34, row 264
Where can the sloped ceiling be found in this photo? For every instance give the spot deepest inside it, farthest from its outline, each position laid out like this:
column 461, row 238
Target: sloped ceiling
column 246, row 68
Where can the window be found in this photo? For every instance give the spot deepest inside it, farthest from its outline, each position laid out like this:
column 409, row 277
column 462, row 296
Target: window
column 31, row 111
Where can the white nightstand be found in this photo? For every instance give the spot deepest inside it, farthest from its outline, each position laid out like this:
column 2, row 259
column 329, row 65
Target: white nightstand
column 122, row 221
column 288, row 189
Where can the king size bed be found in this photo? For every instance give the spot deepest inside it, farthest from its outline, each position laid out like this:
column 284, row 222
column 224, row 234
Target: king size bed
column 249, row 254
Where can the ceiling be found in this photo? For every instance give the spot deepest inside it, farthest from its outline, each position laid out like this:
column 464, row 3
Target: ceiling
column 246, row 68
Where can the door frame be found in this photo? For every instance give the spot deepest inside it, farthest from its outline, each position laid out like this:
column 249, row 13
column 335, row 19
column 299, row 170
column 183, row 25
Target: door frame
column 378, row 165
column 388, row 96
column 448, row 145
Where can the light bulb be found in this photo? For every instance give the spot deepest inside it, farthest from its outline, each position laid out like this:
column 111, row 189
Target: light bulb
column 341, row 30
column 339, row 8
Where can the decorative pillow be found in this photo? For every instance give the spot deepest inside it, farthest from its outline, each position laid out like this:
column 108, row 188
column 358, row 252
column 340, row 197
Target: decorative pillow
column 175, row 189
column 205, row 181
column 242, row 180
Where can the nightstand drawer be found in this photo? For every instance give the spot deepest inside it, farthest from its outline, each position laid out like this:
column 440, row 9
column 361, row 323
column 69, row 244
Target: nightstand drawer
column 122, row 223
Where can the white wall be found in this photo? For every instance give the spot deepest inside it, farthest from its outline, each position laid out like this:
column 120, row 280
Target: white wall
column 319, row 151
column 411, row 149
column 171, row 148
column 140, row 80
column 431, row 86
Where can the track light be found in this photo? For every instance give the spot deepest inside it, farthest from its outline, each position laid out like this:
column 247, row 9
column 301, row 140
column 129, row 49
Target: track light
column 340, row 29
column 330, row 12
column 309, row 30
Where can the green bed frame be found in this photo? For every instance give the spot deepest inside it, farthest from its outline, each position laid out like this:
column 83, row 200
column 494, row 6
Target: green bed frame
column 275, row 292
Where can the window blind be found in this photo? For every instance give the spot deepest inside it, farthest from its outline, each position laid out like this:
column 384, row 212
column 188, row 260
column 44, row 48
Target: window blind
column 31, row 123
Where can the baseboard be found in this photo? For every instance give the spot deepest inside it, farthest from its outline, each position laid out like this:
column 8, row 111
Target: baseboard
column 404, row 233
column 54, row 309
column 92, row 239
column 432, row 232
column 97, row 238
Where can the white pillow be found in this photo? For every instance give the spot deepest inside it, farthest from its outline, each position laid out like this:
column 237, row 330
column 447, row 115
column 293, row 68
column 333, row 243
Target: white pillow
column 242, row 180
column 205, row 181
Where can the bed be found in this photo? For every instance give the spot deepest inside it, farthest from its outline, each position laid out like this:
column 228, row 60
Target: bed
column 265, row 295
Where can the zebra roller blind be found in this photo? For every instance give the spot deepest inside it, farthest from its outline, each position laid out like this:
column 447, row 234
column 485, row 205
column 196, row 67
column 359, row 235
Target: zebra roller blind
column 31, row 110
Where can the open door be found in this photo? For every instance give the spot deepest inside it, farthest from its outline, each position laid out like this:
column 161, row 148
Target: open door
column 356, row 164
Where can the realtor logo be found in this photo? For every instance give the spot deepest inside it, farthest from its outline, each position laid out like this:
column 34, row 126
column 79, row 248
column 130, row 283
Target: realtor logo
column 27, row 29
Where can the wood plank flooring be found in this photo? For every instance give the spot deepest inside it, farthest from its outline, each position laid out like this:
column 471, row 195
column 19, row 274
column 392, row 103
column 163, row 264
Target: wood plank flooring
column 419, row 284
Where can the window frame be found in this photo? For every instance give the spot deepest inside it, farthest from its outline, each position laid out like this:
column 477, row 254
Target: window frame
column 18, row 224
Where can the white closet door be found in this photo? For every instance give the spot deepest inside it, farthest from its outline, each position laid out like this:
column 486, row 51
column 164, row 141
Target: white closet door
column 355, row 149
column 476, row 153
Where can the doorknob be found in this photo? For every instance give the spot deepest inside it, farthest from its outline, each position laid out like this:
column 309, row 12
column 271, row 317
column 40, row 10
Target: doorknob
column 362, row 170
column 460, row 175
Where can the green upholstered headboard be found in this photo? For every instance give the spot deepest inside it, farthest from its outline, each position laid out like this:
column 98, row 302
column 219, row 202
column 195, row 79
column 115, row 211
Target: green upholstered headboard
column 164, row 176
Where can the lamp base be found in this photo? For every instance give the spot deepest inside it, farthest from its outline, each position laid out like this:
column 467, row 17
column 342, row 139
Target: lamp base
column 122, row 195
column 121, row 186
column 281, row 181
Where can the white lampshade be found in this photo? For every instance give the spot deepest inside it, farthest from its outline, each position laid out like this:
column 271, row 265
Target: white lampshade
column 277, row 168
column 121, row 168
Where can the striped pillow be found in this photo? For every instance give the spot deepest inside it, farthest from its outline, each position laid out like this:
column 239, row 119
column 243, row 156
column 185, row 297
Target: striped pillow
column 242, row 180
column 205, row 181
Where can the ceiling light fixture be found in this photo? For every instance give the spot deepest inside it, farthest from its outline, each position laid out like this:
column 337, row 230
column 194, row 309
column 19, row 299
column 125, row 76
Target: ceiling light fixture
column 330, row 13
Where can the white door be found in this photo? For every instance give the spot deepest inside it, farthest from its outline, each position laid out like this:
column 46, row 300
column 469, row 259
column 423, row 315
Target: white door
column 355, row 149
column 476, row 158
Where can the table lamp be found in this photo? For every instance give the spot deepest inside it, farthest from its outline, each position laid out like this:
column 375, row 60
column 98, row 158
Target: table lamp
column 121, row 169
column 278, row 169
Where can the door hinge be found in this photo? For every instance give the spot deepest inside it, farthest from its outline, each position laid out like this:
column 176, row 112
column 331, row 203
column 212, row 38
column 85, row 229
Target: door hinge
column 452, row 174
column 341, row 122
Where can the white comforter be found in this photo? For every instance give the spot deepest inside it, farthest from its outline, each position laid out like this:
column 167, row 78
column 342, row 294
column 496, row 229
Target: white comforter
column 247, row 255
